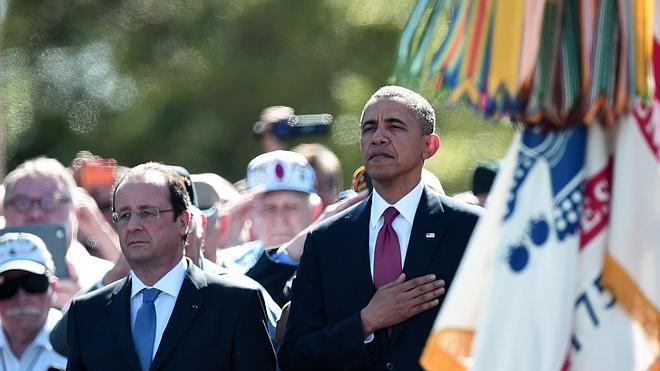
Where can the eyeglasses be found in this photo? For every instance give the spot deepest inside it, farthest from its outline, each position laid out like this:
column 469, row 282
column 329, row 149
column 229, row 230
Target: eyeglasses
column 32, row 284
column 145, row 214
column 46, row 203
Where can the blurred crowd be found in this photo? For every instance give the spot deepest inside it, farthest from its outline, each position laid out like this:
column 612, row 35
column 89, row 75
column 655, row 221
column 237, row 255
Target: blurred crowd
column 67, row 231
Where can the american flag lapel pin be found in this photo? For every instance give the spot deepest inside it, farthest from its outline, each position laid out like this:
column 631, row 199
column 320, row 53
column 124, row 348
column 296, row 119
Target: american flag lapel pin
column 430, row 235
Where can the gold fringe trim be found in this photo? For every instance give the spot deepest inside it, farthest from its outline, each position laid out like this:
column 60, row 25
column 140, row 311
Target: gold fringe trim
column 631, row 298
column 447, row 350
column 656, row 365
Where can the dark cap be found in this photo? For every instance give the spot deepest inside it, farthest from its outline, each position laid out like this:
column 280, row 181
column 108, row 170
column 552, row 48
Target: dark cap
column 484, row 175
column 189, row 184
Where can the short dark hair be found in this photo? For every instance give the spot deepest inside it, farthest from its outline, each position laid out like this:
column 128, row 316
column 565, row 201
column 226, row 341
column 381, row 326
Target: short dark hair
column 418, row 105
column 178, row 194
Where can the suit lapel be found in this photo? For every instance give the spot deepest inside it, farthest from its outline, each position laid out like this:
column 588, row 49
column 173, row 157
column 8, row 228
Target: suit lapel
column 119, row 308
column 187, row 305
column 364, row 285
column 426, row 231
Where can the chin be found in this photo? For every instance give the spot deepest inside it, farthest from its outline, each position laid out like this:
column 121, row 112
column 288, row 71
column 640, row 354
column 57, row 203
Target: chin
column 381, row 173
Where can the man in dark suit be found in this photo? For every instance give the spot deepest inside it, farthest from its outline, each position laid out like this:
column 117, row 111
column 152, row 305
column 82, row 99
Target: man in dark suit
column 371, row 279
column 167, row 314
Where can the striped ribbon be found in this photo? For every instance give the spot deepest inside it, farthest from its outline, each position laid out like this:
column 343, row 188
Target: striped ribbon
column 557, row 61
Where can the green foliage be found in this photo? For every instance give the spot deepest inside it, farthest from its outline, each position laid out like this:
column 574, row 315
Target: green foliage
column 183, row 81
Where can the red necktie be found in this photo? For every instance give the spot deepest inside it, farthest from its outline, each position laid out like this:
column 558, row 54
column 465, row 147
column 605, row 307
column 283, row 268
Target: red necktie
column 387, row 257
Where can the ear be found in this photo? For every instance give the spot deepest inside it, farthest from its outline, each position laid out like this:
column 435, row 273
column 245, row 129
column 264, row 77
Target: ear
column 432, row 143
column 223, row 225
column 204, row 221
column 317, row 206
column 183, row 221
column 54, row 283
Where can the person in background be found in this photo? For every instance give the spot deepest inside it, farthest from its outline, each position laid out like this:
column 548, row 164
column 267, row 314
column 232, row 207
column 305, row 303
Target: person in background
column 213, row 191
column 370, row 281
column 286, row 204
column 27, row 283
column 42, row 191
column 2, row 207
column 327, row 169
column 483, row 177
column 95, row 177
column 266, row 129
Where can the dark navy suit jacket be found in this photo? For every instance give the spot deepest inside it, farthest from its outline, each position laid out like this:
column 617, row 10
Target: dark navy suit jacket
column 334, row 283
column 218, row 323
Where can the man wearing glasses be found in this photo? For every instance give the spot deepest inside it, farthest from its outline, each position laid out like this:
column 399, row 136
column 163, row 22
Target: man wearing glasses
column 167, row 314
column 27, row 282
column 40, row 191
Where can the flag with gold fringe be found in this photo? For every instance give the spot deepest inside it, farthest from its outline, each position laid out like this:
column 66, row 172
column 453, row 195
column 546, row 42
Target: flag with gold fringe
column 564, row 62
column 563, row 272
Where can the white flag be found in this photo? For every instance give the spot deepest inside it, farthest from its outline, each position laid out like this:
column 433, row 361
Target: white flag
column 524, row 252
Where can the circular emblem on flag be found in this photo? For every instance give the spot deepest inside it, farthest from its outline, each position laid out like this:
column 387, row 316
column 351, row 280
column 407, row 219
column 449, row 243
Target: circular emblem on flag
column 539, row 231
column 279, row 171
column 518, row 257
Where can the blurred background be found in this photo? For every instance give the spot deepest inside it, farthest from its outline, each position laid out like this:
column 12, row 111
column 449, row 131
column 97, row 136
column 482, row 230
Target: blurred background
column 183, row 82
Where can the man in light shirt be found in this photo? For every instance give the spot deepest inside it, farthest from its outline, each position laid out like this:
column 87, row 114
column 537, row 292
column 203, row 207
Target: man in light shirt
column 27, row 282
column 167, row 314
column 371, row 279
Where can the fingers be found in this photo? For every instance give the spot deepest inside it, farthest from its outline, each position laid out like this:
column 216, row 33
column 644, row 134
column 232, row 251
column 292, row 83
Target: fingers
column 344, row 204
column 424, row 307
column 415, row 282
column 399, row 280
column 426, row 293
column 242, row 203
column 436, row 285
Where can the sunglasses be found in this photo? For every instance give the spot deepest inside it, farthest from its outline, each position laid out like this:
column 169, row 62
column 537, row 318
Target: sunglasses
column 32, row 284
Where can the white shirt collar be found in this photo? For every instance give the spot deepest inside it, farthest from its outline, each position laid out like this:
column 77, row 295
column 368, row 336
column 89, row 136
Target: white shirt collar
column 407, row 205
column 169, row 284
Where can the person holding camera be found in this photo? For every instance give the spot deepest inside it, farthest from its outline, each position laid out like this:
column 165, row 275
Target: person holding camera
column 277, row 124
column 271, row 127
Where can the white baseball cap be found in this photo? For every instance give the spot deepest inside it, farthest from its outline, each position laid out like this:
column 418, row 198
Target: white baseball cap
column 281, row 171
column 25, row 252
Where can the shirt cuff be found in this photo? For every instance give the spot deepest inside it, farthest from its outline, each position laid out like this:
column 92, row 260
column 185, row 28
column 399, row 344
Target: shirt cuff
column 369, row 338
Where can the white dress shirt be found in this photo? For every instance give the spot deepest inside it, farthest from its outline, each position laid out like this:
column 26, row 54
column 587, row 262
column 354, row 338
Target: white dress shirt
column 38, row 356
column 402, row 224
column 169, row 285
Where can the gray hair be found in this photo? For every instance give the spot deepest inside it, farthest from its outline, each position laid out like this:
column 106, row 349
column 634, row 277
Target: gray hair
column 42, row 166
column 418, row 105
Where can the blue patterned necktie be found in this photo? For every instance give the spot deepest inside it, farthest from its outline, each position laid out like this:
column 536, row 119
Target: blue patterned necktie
column 144, row 331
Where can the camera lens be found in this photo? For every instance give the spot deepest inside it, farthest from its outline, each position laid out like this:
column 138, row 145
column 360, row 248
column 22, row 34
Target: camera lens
column 282, row 130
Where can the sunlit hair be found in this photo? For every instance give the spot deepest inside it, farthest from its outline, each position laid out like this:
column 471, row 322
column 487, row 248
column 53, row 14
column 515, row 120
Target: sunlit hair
column 324, row 161
column 43, row 167
column 178, row 195
column 418, row 105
